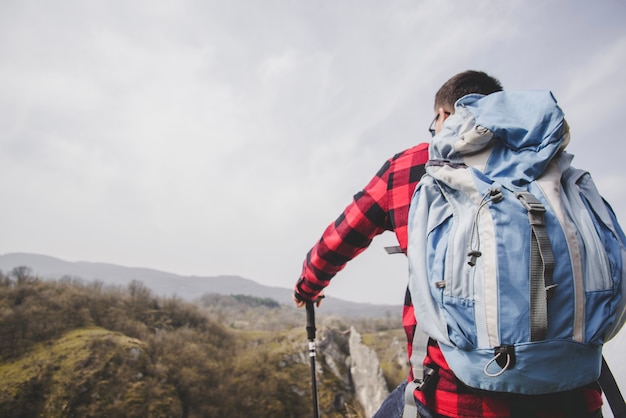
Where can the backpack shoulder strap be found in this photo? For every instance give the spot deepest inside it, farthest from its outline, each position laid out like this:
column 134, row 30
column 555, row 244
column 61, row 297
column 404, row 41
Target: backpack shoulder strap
column 420, row 345
column 611, row 390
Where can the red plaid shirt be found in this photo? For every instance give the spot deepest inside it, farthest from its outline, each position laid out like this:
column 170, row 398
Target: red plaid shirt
column 383, row 205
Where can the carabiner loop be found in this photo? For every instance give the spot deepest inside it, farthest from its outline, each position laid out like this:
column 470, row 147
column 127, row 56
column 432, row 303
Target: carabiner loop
column 506, row 366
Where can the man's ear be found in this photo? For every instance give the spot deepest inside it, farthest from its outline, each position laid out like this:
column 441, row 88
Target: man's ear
column 443, row 114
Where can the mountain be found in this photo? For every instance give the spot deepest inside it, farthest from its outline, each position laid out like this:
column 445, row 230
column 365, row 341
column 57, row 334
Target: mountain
column 186, row 287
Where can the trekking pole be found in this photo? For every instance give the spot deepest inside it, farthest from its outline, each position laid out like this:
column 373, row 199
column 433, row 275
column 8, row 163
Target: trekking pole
column 310, row 330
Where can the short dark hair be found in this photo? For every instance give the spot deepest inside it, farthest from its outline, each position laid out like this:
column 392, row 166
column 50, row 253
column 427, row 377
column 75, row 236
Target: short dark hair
column 465, row 83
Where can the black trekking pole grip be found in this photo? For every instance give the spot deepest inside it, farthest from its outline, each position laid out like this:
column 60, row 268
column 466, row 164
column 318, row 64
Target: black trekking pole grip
column 310, row 320
column 310, row 330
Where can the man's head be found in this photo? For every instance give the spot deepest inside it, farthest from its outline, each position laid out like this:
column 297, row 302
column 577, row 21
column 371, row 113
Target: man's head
column 458, row 86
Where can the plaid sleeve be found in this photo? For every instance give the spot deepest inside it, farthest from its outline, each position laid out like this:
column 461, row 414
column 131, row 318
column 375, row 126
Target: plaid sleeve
column 350, row 234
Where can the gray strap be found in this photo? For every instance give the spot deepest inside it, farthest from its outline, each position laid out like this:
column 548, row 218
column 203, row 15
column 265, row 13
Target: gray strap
column 420, row 345
column 410, row 406
column 394, row 249
column 541, row 267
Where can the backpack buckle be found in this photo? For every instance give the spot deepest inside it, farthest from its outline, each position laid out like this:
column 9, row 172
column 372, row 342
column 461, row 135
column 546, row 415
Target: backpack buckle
column 428, row 379
column 530, row 202
column 533, row 206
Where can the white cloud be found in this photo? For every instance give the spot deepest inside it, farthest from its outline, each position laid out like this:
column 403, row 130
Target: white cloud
column 212, row 138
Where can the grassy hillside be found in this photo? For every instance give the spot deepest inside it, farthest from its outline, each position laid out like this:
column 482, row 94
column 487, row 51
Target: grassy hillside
column 86, row 372
column 68, row 349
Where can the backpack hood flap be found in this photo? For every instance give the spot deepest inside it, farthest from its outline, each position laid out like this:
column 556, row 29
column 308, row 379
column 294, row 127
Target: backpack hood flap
column 526, row 128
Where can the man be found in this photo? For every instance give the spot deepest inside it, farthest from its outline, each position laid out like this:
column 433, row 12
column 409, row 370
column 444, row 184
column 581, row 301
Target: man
column 383, row 206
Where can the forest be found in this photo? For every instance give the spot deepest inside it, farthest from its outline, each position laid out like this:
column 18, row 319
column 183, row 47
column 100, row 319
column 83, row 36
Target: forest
column 75, row 349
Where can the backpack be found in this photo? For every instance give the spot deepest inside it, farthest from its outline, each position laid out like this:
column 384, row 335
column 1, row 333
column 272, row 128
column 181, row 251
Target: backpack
column 516, row 262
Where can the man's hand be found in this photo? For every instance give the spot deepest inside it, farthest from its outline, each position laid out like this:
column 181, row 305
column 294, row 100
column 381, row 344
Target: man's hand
column 300, row 301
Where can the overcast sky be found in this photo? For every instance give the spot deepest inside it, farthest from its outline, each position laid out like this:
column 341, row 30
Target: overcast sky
column 221, row 137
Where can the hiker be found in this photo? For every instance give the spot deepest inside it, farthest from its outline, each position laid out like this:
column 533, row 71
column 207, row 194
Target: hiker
column 383, row 205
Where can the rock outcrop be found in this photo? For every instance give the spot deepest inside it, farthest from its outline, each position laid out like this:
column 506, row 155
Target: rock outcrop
column 355, row 368
column 369, row 384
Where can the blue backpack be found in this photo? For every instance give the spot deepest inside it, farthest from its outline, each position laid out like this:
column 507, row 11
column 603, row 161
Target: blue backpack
column 516, row 262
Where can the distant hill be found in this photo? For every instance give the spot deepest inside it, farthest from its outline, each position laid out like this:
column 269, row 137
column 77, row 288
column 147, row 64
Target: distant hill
column 188, row 288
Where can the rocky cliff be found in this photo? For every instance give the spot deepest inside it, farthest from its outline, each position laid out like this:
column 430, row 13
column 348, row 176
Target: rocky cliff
column 355, row 369
column 367, row 376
